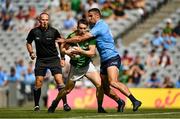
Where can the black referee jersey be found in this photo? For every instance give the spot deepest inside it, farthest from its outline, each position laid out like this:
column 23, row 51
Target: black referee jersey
column 44, row 41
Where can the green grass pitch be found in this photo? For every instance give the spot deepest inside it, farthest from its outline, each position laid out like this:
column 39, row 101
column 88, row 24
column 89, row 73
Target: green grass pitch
column 90, row 114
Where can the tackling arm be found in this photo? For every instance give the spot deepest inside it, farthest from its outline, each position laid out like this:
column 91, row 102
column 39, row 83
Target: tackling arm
column 76, row 39
column 64, row 49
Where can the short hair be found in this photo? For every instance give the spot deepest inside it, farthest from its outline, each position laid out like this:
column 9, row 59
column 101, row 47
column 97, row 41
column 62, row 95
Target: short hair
column 153, row 74
column 126, row 51
column 43, row 14
column 164, row 50
column 156, row 32
column 95, row 10
column 82, row 21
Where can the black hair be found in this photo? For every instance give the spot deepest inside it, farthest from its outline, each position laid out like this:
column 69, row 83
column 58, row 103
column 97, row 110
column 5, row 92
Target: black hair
column 156, row 32
column 82, row 21
column 95, row 10
column 153, row 74
column 126, row 51
column 153, row 51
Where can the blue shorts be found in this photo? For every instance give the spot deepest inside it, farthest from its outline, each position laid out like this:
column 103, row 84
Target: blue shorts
column 114, row 61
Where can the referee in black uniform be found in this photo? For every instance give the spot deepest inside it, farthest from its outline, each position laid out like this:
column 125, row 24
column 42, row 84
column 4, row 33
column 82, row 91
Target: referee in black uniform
column 46, row 56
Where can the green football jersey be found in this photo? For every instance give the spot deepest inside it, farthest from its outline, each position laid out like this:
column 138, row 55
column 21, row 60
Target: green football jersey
column 81, row 60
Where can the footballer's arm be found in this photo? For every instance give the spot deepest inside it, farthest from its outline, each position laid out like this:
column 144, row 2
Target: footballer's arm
column 77, row 39
column 65, row 49
column 90, row 53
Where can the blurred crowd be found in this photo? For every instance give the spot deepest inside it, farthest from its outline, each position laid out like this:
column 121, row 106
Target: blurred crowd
column 158, row 57
column 13, row 19
column 22, row 78
column 133, row 69
column 21, row 19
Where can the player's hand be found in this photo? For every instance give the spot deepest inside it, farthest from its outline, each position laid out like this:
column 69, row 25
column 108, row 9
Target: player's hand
column 77, row 50
column 60, row 40
column 32, row 55
column 69, row 52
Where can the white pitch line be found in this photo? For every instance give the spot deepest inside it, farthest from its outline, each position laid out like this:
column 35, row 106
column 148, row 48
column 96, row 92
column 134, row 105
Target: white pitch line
column 120, row 115
column 124, row 115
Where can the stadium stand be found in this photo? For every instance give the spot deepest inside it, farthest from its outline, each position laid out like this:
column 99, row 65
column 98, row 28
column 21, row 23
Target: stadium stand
column 118, row 26
column 138, row 47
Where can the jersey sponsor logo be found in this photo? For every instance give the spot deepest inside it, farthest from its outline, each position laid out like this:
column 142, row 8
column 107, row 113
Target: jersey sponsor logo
column 37, row 38
column 49, row 38
column 114, row 63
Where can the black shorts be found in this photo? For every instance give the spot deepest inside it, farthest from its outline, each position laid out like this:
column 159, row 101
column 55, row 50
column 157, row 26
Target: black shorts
column 53, row 64
column 114, row 61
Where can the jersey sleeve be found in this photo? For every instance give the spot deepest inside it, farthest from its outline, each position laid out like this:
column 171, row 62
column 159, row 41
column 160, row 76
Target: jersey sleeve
column 57, row 34
column 95, row 31
column 71, row 34
column 30, row 37
column 92, row 41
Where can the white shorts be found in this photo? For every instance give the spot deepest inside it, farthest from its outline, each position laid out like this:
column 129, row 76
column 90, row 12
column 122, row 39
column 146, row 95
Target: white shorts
column 76, row 74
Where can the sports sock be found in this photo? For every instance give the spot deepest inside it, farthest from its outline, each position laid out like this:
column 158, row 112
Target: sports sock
column 132, row 98
column 99, row 103
column 60, row 87
column 64, row 100
column 100, row 96
column 119, row 101
column 37, row 94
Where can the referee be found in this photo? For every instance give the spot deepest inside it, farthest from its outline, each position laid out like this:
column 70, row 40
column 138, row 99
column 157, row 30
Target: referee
column 46, row 56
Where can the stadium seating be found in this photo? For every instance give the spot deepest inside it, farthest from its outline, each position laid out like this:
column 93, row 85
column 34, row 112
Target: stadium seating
column 137, row 48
